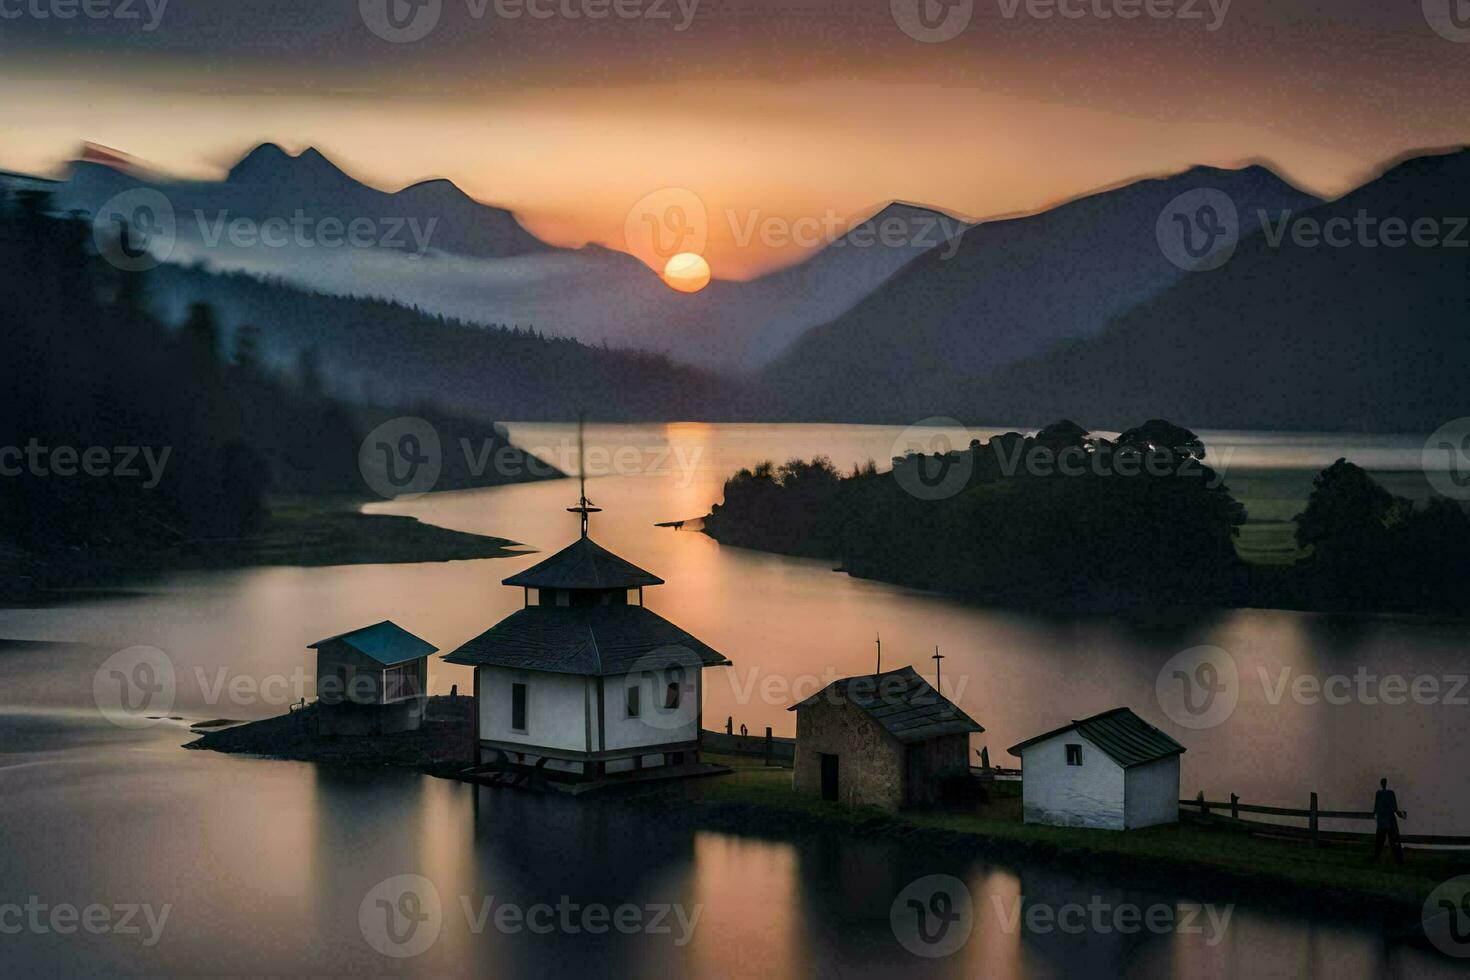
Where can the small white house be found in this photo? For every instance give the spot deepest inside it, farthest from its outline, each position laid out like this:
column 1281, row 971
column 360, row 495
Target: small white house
column 585, row 682
column 1113, row 771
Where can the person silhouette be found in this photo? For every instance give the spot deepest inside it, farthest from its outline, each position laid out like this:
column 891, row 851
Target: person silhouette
column 1386, row 813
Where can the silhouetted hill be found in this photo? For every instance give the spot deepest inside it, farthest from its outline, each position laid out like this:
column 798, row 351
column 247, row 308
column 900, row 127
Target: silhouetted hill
column 385, row 353
column 1363, row 336
column 1011, row 289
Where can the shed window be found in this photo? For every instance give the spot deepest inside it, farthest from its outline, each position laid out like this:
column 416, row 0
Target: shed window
column 518, row 707
column 400, row 682
column 1074, row 755
column 634, row 698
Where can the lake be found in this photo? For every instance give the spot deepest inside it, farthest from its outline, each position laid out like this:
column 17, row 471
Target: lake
column 267, row 866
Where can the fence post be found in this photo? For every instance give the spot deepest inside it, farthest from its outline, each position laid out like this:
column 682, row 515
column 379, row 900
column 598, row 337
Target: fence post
column 768, row 745
column 1234, row 806
column 1312, row 820
column 730, row 725
column 1204, row 808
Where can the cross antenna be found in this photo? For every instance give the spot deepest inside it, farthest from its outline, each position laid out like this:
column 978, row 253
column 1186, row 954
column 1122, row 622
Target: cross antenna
column 584, row 506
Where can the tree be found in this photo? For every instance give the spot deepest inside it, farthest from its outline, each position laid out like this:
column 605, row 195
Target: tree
column 247, row 350
column 1346, row 513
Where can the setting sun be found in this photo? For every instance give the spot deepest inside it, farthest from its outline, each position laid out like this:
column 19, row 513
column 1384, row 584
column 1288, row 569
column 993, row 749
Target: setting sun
column 687, row 272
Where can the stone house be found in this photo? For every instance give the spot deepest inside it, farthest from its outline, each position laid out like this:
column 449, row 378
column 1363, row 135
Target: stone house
column 884, row 740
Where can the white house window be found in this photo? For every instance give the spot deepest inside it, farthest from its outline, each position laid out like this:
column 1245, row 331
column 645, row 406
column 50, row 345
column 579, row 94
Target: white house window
column 674, row 691
column 1074, row 755
column 518, row 707
column 634, row 695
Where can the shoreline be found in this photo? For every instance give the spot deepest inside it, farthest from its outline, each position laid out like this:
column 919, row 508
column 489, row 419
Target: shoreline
column 303, row 532
column 758, row 800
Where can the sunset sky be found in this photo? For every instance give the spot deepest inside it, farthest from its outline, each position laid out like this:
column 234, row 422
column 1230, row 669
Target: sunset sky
column 762, row 108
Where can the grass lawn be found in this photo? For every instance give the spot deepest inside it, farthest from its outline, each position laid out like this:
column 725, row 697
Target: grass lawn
column 1185, row 853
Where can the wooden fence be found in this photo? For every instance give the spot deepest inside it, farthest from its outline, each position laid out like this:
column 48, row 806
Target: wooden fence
column 1230, row 813
column 775, row 750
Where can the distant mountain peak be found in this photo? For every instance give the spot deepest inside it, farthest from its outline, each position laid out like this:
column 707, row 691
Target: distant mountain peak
column 269, row 164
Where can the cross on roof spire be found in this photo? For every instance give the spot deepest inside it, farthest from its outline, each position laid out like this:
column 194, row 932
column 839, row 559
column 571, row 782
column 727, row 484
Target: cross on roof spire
column 584, row 506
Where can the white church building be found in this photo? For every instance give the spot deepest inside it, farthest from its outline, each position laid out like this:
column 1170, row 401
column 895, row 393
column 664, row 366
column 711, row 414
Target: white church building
column 1113, row 771
column 585, row 682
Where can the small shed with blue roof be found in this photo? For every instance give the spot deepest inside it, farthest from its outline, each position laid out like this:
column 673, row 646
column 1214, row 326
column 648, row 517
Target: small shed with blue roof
column 371, row 681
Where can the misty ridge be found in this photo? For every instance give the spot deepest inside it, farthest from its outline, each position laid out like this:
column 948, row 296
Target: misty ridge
column 1079, row 309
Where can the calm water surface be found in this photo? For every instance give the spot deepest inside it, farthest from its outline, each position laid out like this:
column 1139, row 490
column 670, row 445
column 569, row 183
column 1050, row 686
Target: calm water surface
column 266, row 864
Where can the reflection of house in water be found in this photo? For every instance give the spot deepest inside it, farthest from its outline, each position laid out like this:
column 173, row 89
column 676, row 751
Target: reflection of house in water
column 885, row 740
column 1113, row 771
column 371, row 681
column 585, row 682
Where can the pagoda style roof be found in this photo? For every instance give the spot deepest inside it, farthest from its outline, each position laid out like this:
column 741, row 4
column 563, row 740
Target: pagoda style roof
column 906, row 705
column 386, row 642
column 584, row 564
column 591, row 640
column 1123, row 737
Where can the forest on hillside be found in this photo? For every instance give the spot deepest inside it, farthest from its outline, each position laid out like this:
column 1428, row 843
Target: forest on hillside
column 124, row 431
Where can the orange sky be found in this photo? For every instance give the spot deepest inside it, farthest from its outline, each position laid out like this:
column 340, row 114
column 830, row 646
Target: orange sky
column 766, row 114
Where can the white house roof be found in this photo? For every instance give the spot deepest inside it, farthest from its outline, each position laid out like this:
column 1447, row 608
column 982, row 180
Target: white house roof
column 1122, row 736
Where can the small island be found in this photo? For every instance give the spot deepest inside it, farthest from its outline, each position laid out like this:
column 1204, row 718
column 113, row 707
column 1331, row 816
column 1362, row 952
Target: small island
column 1064, row 519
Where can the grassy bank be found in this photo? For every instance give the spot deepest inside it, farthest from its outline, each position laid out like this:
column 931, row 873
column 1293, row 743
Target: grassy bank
column 1197, row 859
column 753, row 799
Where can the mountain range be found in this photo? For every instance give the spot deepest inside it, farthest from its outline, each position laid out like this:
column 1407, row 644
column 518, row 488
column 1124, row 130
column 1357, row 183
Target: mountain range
column 437, row 249
column 1074, row 311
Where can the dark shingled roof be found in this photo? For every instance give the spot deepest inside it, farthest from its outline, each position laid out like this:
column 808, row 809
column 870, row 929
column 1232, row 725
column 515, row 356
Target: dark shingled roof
column 1123, row 737
column 584, row 564
column 905, row 704
column 597, row 640
column 386, row 642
